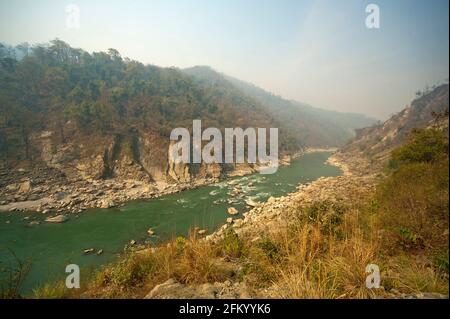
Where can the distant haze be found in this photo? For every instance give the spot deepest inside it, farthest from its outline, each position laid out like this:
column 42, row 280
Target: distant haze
column 317, row 52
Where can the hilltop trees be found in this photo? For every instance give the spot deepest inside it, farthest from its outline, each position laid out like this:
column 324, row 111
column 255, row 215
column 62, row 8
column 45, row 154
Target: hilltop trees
column 44, row 87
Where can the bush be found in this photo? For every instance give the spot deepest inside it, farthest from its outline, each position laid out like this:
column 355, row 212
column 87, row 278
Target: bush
column 424, row 146
column 130, row 272
column 328, row 215
column 270, row 249
column 232, row 245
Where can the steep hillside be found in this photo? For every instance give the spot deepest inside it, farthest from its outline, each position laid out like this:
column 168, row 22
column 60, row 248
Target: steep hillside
column 306, row 125
column 378, row 141
column 97, row 126
column 99, row 115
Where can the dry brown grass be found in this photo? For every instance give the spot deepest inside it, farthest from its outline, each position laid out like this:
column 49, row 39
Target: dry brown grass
column 321, row 262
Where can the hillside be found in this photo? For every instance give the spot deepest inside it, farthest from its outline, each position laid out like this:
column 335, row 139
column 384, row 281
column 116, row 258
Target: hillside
column 377, row 142
column 88, row 115
column 82, row 123
column 304, row 124
column 71, row 95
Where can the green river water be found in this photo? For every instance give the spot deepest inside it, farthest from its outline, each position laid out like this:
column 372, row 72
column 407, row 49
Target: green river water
column 50, row 247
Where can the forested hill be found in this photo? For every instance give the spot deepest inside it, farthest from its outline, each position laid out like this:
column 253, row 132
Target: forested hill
column 313, row 126
column 73, row 93
column 55, row 97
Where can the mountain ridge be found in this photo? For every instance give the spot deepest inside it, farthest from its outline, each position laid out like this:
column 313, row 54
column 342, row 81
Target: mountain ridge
column 315, row 126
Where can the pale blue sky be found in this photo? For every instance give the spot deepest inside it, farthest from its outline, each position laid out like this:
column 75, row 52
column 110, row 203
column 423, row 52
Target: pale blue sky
column 319, row 52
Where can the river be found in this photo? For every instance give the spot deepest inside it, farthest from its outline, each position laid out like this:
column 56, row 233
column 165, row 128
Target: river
column 50, row 247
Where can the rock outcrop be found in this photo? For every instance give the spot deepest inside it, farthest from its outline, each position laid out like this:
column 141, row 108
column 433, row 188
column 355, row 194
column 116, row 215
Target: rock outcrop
column 172, row 289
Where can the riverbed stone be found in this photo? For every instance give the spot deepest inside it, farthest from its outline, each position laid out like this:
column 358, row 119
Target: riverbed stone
column 57, row 219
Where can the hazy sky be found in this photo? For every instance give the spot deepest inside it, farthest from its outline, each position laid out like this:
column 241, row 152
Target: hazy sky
column 318, row 52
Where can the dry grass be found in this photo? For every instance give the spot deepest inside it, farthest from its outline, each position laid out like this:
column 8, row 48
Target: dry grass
column 190, row 261
column 320, row 260
column 414, row 275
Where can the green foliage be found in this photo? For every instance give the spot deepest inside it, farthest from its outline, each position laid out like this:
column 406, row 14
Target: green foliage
column 327, row 214
column 425, row 145
column 102, row 93
column 180, row 244
column 130, row 272
column 232, row 245
column 270, row 248
column 410, row 239
column 56, row 290
column 440, row 260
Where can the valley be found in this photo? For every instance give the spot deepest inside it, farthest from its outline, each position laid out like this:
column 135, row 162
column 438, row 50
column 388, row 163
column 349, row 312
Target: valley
column 49, row 247
column 86, row 178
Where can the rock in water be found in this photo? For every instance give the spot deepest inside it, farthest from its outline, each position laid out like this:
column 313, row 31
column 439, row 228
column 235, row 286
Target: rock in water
column 89, row 250
column 201, row 232
column 33, row 223
column 232, row 211
column 251, row 203
column 57, row 219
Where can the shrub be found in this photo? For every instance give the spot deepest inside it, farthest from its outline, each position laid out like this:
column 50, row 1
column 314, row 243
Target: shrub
column 232, row 245
column 424, row 146
column 128, row 273
column 270, row 249
column 327, row 214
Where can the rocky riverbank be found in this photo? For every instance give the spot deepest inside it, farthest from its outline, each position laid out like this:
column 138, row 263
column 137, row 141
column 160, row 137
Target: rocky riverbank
column 77, row 196
column 48, row 190
column 277, row 212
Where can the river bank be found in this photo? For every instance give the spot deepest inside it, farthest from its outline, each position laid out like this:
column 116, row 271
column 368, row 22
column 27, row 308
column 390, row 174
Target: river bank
column 55, row 195
column 276, row 212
